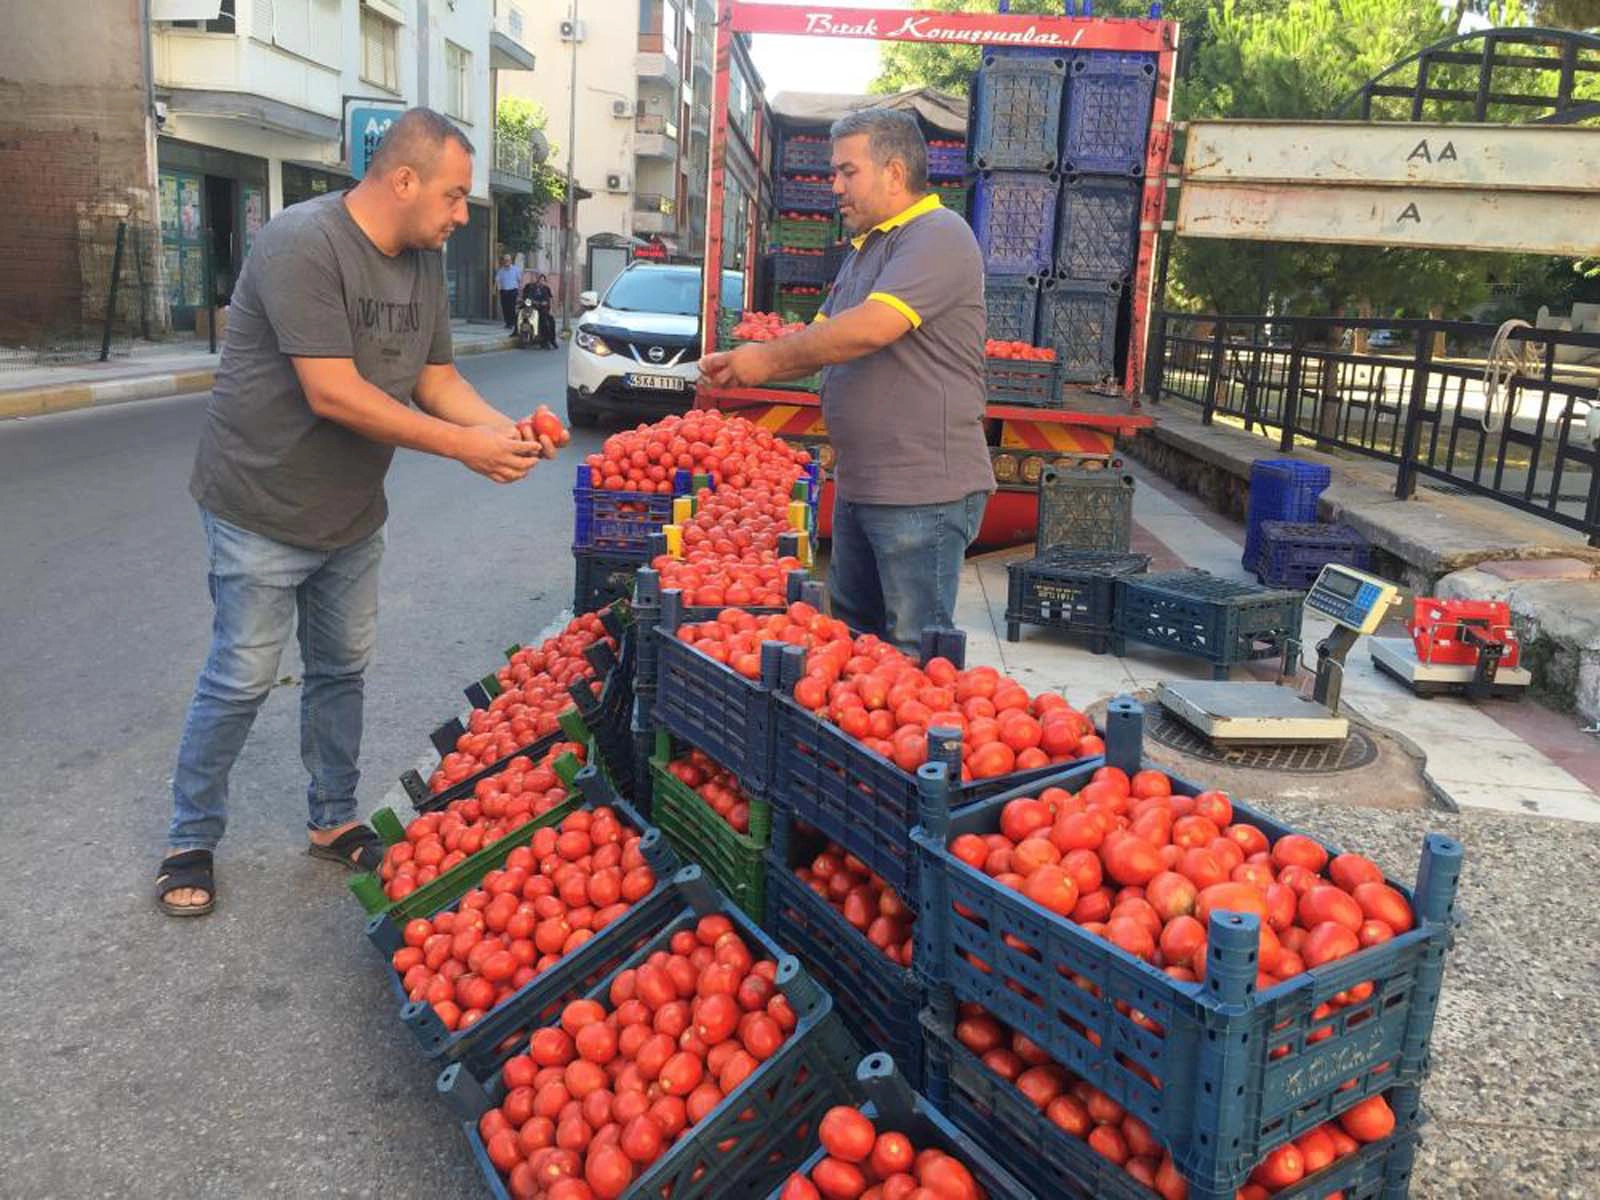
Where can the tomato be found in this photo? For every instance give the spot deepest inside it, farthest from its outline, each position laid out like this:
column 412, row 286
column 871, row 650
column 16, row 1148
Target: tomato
column 799, row 1187
column 1328, row 941
column 1281, row 1168
column 1230, row 897
column 1380, row 902
column 1299, row 850
column 838, row 1180
column 1369, row 1121
column 608, row 1171
column 846, row 1134
column 892, row 1153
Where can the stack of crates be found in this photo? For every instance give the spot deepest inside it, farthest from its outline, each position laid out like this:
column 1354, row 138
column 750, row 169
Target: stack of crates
column 1281, row 489
column 1058, row 144
column 808, row 225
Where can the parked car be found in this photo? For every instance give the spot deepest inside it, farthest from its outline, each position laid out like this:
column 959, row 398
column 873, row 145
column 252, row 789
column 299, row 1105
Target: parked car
column 636, row 351
column 1383, row 337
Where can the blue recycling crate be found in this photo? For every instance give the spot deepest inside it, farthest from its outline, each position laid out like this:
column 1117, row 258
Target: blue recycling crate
column 1078, row 319
column 1293, row 554
column 1281, row 489
column 1021, row 382
column 1236, row 1071
column 1014, row 218
column 1012, row 302
column 893, row 1106
column 995, row 1114
column 878, row 999
column 602, row 577
column 1096, row 227
column 1108, row 103
column 1073, row 591
column 947, row 162
column 1015, row 113
column 756, row 1135
column 1222, row 621
column 802, row 267
column 805, row 155
column 805, row 195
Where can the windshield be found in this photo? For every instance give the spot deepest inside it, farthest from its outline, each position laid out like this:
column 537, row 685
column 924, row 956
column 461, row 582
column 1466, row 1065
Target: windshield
column 676, row 292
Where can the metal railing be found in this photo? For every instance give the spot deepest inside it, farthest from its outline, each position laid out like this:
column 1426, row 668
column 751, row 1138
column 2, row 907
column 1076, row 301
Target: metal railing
column 1533, row 445
column 652, row 202
column 514, row 156
column 654, row 123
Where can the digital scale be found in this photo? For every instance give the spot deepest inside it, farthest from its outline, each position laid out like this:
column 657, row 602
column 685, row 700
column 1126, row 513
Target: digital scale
column 1246, row 714
column 1465, row 647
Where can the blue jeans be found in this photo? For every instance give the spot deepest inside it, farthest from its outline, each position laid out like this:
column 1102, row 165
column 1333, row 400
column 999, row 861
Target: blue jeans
column 893, row 568
column 261, row 589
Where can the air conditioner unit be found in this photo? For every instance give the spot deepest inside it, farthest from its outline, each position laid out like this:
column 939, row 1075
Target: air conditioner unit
column 621, row 108
column 573, row 31
column 617, row 181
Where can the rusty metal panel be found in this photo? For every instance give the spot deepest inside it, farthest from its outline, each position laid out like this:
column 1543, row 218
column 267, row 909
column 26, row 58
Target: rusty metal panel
column 1445, row 219
column 1507, row 157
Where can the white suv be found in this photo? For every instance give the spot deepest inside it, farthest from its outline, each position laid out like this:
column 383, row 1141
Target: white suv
column 636, row 352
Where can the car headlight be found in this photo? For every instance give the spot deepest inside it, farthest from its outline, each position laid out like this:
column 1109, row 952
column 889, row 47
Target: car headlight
column 592, row 342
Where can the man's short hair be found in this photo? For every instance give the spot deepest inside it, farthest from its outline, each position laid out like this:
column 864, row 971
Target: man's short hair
column 891, row 134
column 415, row 140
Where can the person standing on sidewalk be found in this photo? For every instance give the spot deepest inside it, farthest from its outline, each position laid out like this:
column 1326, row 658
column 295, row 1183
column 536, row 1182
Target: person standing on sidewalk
column 508, row 279
column 900, row 343
column 337, row 351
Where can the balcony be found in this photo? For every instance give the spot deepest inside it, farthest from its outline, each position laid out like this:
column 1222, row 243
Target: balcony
column 655, row 65
column 652, row 213
column 506, row 49
column 515, row 162
column 700, row 121
column 654, row 137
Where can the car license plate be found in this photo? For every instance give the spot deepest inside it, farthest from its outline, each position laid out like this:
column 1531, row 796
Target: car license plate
column 660, row 383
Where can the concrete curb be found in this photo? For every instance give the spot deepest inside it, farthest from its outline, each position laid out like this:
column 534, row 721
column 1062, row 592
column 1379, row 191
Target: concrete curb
column 39, row 402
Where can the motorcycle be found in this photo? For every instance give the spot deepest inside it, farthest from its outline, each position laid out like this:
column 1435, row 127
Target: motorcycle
column 527, row 323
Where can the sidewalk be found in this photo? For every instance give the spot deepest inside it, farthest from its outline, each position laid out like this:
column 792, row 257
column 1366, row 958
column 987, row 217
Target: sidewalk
column 156, row 369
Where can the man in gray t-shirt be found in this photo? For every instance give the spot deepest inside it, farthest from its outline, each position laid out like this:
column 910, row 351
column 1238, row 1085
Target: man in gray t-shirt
column 337, row 351
column 900, row 340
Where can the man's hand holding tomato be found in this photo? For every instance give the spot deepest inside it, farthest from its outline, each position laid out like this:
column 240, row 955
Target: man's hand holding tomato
column 749, row 365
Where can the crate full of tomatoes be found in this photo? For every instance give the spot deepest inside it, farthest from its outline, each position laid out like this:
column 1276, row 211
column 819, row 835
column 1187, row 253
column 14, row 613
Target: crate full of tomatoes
column 1021, row 374
column 769, row 327
column 1230, row 982
column 698, row 1069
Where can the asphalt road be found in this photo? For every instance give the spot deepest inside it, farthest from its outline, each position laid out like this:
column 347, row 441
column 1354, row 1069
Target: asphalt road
column 254, row 1052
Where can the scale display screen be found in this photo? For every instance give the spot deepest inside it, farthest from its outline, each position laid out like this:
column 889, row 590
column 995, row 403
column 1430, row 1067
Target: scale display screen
column 1351, row 598
column 1345, row 586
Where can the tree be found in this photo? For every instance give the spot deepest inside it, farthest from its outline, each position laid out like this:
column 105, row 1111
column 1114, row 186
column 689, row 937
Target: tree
column 517, row 216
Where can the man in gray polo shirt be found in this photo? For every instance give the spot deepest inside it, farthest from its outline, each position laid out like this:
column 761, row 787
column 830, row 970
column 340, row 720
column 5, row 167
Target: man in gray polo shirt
column 900, row 344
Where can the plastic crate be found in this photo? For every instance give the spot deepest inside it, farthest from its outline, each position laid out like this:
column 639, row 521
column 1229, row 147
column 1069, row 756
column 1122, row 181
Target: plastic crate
column 1096, row 225
column 1219, row 620
column 479, row 1045
column 1073, row 591
column 756, row 1136
column 802, row 233
column 1021, row 383
column 619, row 522
column 1281, row 489
column 1108, row 102
column 807, row 383
column 802, row 195
column 601, row 577
column 893, row 1106
column 1078, row 320
column 1016, row 113
column 807, row 156
column 1292, row 555
column 798, row 305
column 1000, row 1119
column 1084, row 509
column 735, row 861
column 947, row 162
column 1014, row 219
column 953, row 196
column 1238, row 1071
column 1012, row 302
column 800, row 266
column 878, row 999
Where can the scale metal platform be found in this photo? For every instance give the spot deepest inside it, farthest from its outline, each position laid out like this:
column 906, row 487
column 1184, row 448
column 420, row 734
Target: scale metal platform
column 1397, row 657
column 1246, row 714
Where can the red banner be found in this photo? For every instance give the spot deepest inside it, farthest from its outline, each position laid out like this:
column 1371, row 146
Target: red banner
column 1002, row 30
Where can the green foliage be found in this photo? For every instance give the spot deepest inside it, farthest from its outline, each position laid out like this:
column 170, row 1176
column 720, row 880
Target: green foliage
column 517, row 217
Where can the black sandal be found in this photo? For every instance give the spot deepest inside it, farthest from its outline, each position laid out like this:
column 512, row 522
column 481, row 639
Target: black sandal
column 357, row 848
column 186, row 869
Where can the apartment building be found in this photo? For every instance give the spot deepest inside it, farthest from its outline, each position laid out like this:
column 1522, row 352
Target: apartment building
column 626, row 86
column 264, row 103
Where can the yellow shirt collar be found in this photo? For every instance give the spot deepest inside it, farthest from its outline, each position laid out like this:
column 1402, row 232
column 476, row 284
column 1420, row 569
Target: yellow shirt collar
column 926, row 205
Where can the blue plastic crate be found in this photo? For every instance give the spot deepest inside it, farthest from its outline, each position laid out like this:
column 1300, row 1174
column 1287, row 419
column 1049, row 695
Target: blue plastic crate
column 878, row 999
column 1012, row 302
column 1072, row 591
column 1022, row 383
column 1096, row 227
column 1222, row 621
column 1014, row 218
column 804, row 156
column 893, row 1106
column 947, row 162
column 803, row 195
column 602, row 577
column 1281, row 489
column 615, row 521
column 1004, row 1122
column 1293, row 554
column 799, row 266
column 760, row 1132
column 1108, row 103
column 1237, row 1070
column 1078, row 320
column 1016, row 113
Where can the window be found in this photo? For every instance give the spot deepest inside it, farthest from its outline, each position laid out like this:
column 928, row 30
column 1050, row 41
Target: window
column 223, row 22
column 457, row 82
column 380, row 50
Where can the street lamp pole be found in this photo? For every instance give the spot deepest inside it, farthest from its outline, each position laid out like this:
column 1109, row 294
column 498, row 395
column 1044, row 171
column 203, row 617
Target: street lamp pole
column 567, row 287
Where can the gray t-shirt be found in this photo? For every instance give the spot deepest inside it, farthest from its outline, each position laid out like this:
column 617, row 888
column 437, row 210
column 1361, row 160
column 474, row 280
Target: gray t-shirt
column 314, row 286
column 906, row 421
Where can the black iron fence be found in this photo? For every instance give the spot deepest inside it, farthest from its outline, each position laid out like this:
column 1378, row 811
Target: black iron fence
column 1521, row 427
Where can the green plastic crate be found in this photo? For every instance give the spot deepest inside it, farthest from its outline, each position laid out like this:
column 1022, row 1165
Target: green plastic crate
column 793, row 233
column 953, row 196
column 799, row 306
column 810, row 383
column 736, row 861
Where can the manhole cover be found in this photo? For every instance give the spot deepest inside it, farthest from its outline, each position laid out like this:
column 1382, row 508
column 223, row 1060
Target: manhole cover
column 1357, row 750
